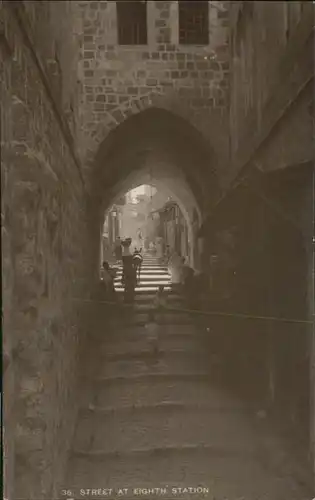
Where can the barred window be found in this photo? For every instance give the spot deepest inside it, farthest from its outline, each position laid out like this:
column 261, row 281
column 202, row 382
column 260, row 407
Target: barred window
column 193, row 22
column 132, row 22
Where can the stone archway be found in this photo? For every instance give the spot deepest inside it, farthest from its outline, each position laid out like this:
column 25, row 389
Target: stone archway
column 153, row 100
column 169, row 180
column 153, row 137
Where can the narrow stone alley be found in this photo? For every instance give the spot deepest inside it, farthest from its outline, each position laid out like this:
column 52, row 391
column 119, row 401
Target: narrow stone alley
column 211, row 105
column 164, row 424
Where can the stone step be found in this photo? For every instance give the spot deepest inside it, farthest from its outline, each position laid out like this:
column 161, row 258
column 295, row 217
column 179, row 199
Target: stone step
column 134, row 318
column 99, row 432
column 147, row 378
column 167, row 406
column 143, row 288
column 154, row 265
column 174, row 308
column 158, row 272
column 152, row 260
column 224, row 475
column 174, row 318
column 147, row 304
column 129, row 331
column 172, row 359
column 173, row 301
column 169, row 348
column 151, row 273
column 141, row 391
column 136, row 343
column 166, row 282
column 160, row 364
column 154, row 270
column 145, row 354
column 131, row 315
column 171, row 296
column 149, row 267
column 150, row 286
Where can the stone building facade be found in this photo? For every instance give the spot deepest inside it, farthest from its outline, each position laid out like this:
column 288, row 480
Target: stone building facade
column 79, row 112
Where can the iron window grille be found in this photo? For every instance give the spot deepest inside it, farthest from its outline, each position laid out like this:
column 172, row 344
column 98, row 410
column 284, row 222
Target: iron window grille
column 132, row 22
column 193, row 22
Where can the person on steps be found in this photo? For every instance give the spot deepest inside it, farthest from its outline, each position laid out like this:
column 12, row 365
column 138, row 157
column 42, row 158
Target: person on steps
column 128, row 274
column 126, row 252
column 118, row 249
column 129, row 280
column 167, row 254
column 107, row 281
column 137, row 262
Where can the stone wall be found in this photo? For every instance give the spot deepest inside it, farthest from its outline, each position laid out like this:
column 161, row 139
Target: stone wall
column 271, row 84
column 44, row 254
column 119, row 81
column 52, row 33
column 271, row 123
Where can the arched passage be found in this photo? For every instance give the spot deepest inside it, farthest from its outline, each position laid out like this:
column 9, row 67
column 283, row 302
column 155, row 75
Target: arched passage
column 169, row 180
column 154, row 144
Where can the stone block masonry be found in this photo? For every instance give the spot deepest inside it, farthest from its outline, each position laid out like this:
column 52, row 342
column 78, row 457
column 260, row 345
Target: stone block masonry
column 43, row 227
column 119, row 81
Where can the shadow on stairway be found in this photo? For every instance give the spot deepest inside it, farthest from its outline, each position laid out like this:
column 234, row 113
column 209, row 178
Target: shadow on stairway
column 167, row 425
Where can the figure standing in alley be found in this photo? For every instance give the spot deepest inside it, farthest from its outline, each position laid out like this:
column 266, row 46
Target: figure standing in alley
column 129, row 274
column 159, row 249
column 126, row 251
column 107, row 281
column 140, row 238
column 137, row 262
column 167, row 254
column 118, row 249
column 129, row 281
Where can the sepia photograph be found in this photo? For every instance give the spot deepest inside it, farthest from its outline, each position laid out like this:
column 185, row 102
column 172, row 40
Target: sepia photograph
column 157, row 242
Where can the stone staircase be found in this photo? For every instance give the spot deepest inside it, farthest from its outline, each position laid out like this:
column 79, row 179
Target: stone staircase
column 162, row 426
column 152, row 276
